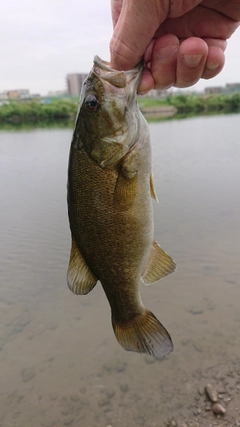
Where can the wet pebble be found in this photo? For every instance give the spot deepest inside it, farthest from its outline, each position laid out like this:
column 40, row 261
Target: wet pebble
column 52, row 397
column 149, row 359
column 227, row 399
column 103, row 401
column 110, row 393
column 120, row 366
column 211, row 306
column 68, row 421
column 195, row 310
column 230, row 374
column 108, row 366
column 218, row 409
column 211, row 393
column 171, row 423
column 207, row 407
column 28, row 374
column 75, row 397
column 117, row 366
column 231, row 282
column 124, row 387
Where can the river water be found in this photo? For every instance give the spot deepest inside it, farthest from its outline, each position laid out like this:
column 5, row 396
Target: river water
column 60, row 363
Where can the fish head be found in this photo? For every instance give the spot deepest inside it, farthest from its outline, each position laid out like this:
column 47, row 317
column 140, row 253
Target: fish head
column 108, row 118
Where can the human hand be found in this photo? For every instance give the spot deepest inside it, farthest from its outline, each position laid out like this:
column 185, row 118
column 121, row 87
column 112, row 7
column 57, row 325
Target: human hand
column 180, row 41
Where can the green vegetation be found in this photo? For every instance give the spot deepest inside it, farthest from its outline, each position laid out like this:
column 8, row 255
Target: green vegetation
column 63, row 110
column 196, row 104
column 38, row 111
column 43, row 124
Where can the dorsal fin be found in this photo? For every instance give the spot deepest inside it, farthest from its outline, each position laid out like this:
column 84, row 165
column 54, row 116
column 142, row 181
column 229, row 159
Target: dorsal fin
column 152, row 189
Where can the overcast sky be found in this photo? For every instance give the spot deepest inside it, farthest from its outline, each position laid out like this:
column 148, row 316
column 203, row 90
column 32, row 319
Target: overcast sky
column 43, row 40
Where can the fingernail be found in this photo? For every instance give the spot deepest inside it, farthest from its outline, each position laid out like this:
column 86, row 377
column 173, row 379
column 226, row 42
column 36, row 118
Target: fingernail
column 166, row 53
column 212, row 66
column 192, row 60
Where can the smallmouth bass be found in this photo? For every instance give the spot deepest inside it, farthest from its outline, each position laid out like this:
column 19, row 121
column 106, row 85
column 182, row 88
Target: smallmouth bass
column 110, row 187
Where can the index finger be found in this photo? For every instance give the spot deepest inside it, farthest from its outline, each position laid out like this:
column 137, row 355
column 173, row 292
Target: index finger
column 135, row 28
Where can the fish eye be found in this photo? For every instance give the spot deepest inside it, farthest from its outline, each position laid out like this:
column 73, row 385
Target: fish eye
column 92, row 102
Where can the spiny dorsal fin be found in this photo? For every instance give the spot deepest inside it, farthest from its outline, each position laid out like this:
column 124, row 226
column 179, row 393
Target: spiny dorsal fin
column 159, row 265
column 79, row 277
column 152, row 189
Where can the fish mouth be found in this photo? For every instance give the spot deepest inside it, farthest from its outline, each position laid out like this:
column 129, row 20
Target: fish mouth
column 117, row 78
column 105, row 65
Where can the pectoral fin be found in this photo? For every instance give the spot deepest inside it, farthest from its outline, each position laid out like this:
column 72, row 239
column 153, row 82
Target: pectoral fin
column 125, row 190
column 159, row 265
column 152, row 189
column 79, row 277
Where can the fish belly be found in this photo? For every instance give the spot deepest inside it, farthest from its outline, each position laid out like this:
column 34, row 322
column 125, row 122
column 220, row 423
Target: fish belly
column 114, row 239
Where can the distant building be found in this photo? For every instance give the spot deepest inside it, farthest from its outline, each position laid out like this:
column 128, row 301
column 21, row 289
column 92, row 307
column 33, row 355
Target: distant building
column 18, row 94
column 213, row 90
column 227, row 89
column 233, row 87
column 3, row 95
column 74, row 83
column 157, row 93
column 57, row 93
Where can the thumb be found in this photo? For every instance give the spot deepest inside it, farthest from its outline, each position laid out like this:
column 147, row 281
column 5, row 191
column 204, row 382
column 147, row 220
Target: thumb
column 135, row 28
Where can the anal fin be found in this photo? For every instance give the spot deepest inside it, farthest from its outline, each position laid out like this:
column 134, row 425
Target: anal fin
column 159, row 265
column 79, row 277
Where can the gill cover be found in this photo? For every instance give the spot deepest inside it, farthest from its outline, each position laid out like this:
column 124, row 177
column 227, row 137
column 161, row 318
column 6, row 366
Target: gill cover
column 106, row 123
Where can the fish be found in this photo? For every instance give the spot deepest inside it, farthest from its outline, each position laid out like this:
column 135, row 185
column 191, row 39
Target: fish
column 110, row 191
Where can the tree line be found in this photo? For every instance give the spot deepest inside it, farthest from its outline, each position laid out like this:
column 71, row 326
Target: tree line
column 54, row 110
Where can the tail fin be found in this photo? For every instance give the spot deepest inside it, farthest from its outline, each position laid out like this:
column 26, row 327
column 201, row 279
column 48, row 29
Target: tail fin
column 144, row 334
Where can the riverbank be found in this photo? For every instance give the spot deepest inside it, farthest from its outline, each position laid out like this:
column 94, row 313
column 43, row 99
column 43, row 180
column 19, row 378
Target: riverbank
column 190, row 104
column 52, row 110
column 158, row 111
